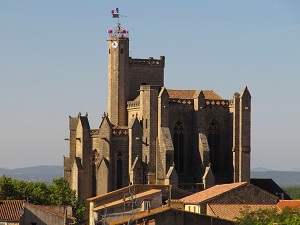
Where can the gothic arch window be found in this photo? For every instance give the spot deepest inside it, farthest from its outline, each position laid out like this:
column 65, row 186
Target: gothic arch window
column 178, row 142
column 214, row 145
column 95, row 165
column 119, row 169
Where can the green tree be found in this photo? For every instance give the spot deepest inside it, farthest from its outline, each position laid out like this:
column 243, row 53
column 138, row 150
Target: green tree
column 269, row 217
column 58, row 193
column 7, row 189
column 293, row 192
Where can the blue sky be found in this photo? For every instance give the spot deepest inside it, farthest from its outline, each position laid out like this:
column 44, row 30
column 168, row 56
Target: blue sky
column 53, row 63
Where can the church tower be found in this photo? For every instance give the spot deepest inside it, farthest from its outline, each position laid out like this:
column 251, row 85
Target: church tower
column 118, row 76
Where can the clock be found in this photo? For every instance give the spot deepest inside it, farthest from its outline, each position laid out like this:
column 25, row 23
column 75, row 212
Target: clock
column 114, row 44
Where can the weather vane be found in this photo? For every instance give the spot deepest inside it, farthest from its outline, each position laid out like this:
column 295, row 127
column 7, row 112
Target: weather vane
column 118, row 31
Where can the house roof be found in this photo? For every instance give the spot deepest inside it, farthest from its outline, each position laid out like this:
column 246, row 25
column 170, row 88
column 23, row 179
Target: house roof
column 234, row 211
column 136, row 188
column 49, row 209
column 10, row 210
column 190, row 94
column 142, row 215
column 121, row 201
column 293, row 204
column 211, row 192
column 270, row 186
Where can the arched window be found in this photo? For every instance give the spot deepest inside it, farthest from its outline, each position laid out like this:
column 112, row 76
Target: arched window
column 214, row 145
column 95, row 164
column 119, row 170
column 178, row 142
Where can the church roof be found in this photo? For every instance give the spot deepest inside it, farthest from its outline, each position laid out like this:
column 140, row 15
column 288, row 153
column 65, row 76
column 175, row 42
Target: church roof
column 210, row 94
column 181, row 94
column 211, row 192
column 190, row 94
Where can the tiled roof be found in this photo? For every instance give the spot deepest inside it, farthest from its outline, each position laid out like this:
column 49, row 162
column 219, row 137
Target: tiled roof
column 293, row 204
column 181, row 94
column 120, row 127
column 269, row 185
column 118, row 202
column 211, row 192
column 141, row 215
column 190, row 94
column 233, row 211
column 49, row 209
column 10, row 209
column 210, row 94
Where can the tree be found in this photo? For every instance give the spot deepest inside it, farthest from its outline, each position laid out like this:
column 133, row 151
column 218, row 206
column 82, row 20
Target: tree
column 58, row 193
column 269, row 217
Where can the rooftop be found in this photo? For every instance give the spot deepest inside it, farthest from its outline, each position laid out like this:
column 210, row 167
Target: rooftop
column 211, row 192
column 190, row 94
column 10, row 210
column 234, row 211
column 292, row 204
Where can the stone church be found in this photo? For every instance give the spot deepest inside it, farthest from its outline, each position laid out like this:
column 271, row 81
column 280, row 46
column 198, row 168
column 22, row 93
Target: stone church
column 154, row 135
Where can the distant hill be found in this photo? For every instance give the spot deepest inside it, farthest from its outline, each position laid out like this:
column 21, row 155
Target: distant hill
column 282, row 178
column 35, row 174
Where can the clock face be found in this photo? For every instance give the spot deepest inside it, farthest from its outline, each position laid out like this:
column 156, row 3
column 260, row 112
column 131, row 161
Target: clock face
column 114, row 44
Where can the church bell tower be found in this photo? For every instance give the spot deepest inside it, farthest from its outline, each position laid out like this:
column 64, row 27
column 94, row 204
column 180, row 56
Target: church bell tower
column 118, row 75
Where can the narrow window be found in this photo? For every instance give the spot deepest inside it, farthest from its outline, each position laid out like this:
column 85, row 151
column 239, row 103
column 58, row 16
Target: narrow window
column 95, row 163
column 213, row 142
column 119, row 170
column 178, row 142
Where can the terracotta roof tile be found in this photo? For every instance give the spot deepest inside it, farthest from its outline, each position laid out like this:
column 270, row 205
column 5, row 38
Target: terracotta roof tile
column 190, row 94
column 233, row 211
column 181, row 94
column 293, row 204
column 209, row 94
column 120, row 127
column 49, row 209
column 211, row 192
column 141, row 215
column 121, row 201
column 10, row 209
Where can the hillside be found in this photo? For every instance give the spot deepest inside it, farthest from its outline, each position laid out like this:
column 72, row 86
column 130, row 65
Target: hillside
column 36, row 173
column 282, row 178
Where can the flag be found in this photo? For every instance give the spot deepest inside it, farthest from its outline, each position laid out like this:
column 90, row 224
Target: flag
column 115, row 13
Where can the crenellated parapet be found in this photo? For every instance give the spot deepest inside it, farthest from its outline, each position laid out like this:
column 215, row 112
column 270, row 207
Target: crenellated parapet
column 217, row 103
column 148, row 62
column 182, row 101
column 94, row 133
column 133, row 104
column 120, row 131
